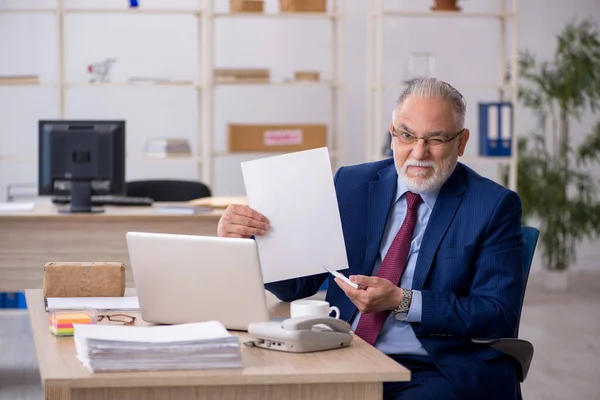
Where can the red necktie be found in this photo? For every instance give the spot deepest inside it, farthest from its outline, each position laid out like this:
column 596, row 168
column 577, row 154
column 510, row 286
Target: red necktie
column 392, row 267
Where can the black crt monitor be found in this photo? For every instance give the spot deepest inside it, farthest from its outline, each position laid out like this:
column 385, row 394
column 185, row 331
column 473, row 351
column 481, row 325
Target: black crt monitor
column 81, row 158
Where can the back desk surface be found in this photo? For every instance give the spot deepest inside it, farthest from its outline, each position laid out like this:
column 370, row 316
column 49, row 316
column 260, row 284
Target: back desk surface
column 30, row 239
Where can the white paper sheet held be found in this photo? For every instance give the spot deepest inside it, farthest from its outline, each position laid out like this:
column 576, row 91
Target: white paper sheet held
column 296, row 193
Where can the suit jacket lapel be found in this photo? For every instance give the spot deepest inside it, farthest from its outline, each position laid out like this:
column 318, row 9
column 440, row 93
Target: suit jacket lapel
column 382, row 193
column 441, row 216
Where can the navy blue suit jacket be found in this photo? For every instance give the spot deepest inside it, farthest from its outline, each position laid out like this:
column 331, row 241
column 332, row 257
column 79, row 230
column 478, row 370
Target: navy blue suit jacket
column 469, row 268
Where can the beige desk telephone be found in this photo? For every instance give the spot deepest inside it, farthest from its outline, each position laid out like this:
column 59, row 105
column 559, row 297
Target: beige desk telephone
column 301, row 335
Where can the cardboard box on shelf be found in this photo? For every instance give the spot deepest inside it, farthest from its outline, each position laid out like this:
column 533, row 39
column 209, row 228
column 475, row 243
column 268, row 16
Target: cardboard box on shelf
column 303, row 5
column 237, row 6
column 276, row 138
column 306, row 75
column 224, row 75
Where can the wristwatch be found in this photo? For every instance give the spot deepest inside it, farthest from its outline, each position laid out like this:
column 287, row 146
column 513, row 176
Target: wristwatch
column 401, row 312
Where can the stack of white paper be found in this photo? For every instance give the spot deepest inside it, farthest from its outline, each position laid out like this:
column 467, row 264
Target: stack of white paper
column 202, row 345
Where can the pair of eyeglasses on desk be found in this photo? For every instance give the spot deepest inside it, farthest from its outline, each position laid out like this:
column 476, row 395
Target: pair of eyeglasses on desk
column 120, row 319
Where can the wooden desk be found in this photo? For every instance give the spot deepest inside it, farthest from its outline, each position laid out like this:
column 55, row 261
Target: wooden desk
column 355, row 372
column 28, row 240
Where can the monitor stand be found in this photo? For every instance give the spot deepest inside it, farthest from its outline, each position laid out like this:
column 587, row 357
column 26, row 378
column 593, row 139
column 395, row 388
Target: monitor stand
column 81, row 199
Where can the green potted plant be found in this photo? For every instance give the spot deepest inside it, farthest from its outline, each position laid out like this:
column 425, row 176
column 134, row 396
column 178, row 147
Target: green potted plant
column 555, row 181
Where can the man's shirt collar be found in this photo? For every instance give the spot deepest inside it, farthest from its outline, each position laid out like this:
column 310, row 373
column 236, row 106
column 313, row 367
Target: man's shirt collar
column 429, row 198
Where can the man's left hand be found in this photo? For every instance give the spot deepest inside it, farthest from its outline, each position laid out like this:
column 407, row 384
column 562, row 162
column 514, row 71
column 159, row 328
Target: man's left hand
column 374, row 294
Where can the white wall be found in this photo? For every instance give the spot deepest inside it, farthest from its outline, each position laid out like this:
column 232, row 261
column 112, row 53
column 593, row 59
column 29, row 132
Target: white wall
column 465, row 50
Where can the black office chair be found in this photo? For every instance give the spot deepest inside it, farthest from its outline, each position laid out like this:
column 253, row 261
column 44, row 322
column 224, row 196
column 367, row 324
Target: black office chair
column 168, row 190
column 519, row 349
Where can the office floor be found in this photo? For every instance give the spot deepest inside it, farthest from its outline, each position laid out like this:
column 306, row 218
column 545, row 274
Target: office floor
column 564, row 327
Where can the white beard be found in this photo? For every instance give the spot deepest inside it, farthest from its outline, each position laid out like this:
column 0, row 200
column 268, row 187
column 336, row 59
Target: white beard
column 434, row 182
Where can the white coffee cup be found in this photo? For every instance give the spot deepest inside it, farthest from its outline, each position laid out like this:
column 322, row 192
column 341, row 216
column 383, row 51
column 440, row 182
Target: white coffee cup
column 312, row 308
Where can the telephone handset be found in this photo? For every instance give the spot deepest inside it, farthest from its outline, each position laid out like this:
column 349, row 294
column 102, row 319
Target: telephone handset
column 302, row 323
column 301, row 334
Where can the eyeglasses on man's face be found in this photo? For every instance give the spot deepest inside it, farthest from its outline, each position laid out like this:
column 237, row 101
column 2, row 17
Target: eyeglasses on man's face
column 122, row 319
column 409, row 139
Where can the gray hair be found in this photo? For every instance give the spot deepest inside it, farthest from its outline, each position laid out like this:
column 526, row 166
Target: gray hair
column 433, row 88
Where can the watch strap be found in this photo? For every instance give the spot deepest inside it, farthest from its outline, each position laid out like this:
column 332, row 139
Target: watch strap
column 405, row 302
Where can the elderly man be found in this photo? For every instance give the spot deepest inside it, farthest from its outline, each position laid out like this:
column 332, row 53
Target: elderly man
column 436, row 249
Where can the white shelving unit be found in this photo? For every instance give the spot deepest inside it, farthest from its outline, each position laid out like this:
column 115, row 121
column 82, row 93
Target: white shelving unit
column 64, row 85
column 197, row 86
column 376, row 126
column 335, row 15
column 204, row 84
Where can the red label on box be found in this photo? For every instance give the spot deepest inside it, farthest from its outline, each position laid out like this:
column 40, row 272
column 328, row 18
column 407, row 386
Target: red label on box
column 285, row 137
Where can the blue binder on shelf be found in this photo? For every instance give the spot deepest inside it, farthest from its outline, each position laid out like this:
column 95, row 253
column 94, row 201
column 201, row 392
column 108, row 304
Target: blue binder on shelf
column 495, row 129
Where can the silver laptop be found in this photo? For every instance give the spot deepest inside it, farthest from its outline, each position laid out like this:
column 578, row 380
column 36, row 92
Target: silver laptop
column 184, row 278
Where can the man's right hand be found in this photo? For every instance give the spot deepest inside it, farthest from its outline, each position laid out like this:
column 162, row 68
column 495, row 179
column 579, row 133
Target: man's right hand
column 242, row 222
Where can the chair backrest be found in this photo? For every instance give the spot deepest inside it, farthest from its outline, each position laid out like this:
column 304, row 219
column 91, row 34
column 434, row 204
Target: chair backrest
column 168, row 190
column 530, row 238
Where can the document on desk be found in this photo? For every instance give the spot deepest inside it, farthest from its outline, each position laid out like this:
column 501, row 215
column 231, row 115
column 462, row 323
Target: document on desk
column 296, row 193
column 18, row 206
column 126, row 303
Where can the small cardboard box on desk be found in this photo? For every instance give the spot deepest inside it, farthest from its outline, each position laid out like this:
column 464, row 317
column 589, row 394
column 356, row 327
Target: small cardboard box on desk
column 80, row 279
column 84, row 279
